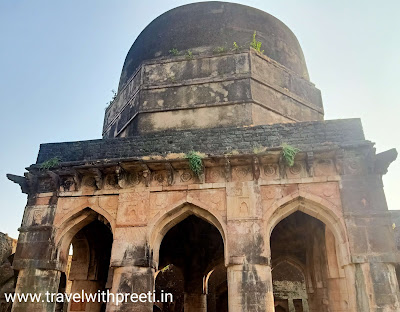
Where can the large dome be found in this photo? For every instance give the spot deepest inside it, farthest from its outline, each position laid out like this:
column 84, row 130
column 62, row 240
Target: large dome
column 213, row 85
column 205, row 26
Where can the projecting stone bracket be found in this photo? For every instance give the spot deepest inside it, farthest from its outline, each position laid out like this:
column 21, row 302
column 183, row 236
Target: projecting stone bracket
column 383, row 161
column 310, row 163
column 228, row 170
column 121, row 176
column 77, row 179
column 55, row 179
column 21, row 181
column 98, row 177
column 256, row 168
column 146, row 174
column 170, row 173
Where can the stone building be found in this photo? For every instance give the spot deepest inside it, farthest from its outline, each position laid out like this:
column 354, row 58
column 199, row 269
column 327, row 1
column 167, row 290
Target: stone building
column 192, row 189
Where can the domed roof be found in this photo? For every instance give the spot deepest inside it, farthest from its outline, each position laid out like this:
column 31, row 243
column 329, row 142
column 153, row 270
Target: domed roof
column 205, row 26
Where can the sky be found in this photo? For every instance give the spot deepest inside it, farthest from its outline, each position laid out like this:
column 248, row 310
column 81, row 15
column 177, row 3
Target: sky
column 59, row 61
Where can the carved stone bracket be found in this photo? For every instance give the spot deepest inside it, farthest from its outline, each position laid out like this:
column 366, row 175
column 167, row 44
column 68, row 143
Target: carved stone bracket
column 282, row 167
column 77, row 179
column 310, row 163
column 228, row 170
column 256, row 168
column 21, row 181
column 202, row 175
column 146, row 174
column 98, row 177
column 55, row 179
column 32, row 182
column 383, row 161
column 170, row 173
column 121, row 176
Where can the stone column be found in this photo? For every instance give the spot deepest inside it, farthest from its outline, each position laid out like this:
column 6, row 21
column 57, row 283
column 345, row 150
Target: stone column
column 372, row 245
column 377, row 288
column 132, row 280
column 250, row 288
column 37, row 281
column 291, row 305
column 195, row 302
column 34, row 257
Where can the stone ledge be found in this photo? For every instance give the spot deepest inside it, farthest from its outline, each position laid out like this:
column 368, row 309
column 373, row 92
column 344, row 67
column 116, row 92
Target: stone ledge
column 216, row 141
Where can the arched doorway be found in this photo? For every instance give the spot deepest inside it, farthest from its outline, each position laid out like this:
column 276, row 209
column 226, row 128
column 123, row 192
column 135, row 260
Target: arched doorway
column 88, row 244
column 217, row 289
column 305, row 270
column 187, row 252
column 289, row 286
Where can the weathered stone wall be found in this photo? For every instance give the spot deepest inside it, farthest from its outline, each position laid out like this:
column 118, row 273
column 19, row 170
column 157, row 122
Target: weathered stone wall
column 219, row 141
column 243, row 193
column 207, row 91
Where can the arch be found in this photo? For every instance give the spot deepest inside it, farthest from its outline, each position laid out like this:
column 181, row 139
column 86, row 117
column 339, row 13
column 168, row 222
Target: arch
column 93, row 206
column 163, row 222
column 69, row 227
column 210, row 271
column 316, row 207
column 292, row 261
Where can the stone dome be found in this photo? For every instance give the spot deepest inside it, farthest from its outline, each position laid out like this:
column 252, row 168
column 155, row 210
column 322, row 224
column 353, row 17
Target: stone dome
column 205, row 26
column 215, row 86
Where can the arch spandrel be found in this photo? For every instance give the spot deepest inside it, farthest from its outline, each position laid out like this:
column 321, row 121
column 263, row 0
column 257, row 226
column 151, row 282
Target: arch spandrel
column 68, row 208
column 72, row 223
column 163, row 221
column 316, row 207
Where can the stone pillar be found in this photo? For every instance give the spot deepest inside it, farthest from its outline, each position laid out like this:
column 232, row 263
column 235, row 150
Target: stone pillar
column 306, row 308
column 37, row 281
column 372, row 245
column 291, row 305
column 250, row 288
column 195, row 302
column 88, row 287
column 34, row 257
column 132, row 280
column 377, row 288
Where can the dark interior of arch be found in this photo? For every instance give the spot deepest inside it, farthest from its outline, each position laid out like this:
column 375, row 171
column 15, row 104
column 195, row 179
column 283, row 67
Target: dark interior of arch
column 188, row 252
column 90, row 263
column 300, row 273
column 292, row 241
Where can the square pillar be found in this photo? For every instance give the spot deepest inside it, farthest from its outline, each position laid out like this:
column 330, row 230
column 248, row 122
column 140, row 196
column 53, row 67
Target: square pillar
column 37, row 281
column 132, row 280
column 250, row 288
column 195, row 302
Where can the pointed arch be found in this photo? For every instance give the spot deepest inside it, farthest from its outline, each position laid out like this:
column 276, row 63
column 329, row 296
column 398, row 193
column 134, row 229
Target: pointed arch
column 316, row 207
column 80, row 208
column 292, row 261
column 168, row 218
column 70, row 226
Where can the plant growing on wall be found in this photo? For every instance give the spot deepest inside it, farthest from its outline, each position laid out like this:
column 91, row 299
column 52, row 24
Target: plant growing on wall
column 114, row 96
column 166, row 268
column 289, row 153
column 195, row 162
column 220, row 49
column 256, row 45
column 174, row 51
column 50, row 163
column 236, row 48
column 189, row 55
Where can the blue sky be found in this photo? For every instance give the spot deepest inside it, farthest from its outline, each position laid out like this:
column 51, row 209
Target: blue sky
column 59, row 61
